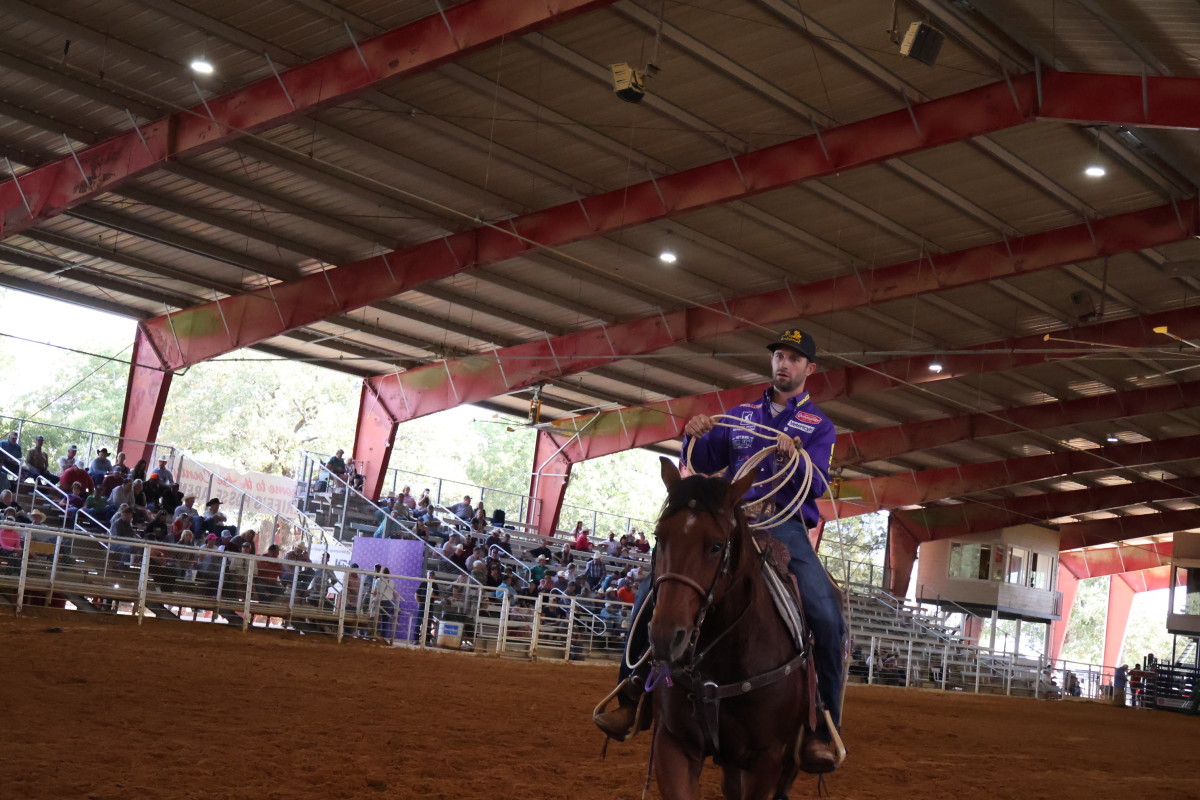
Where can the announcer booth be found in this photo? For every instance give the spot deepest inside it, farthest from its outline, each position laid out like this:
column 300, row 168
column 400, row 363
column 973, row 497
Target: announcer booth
column 1179, row 676
column 1004, row 574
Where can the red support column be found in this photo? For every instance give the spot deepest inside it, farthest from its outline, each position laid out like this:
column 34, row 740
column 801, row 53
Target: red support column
column 373, row 439
column 547, row 484
column 1120, row 601
column 972, row 628
column 145, row 399
column 901, row 556
column 1068, row 585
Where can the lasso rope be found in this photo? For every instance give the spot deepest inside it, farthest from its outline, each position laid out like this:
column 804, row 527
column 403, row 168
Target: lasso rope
column 782, row 478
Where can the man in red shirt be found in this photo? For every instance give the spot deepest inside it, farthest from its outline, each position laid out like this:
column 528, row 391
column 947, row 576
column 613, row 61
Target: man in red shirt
column 75, row 474
column 582, row 542
column 624, row 593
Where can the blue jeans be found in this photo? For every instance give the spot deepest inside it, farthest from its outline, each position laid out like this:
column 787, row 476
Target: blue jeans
column 822, row 611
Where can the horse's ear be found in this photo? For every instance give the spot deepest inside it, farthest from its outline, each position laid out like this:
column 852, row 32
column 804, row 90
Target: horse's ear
column 670, row 473
column 738, row 488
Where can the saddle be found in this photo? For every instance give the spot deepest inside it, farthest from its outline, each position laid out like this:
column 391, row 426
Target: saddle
column 784, row 591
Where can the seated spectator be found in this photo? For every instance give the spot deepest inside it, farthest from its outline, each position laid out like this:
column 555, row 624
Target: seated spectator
column 564, row 556
column 498, row 517
column 546, row 585
column 10, row 537
column 119, row 465
column 506, row 543
column 95, row 505
column 164, row 567
column 641, row 544
column 188, row 506
column 493, row 540
column 8, row 501
column 386, row 526
column 74, row 502
column 425, row 509
column 158, row 526
column 110, row 481
column 121, row 527
column 613, row 546
column 154, row 491
column 541, row 550
column 122, row 495
column 242, row 540
column 406, row 499
column 68, row 461
column 164, row 473
column 12, row 457
column 214, row 520
column 100, row 466
column 72, row 475
column 141, row 507
column 464, row 510
column 336, row 467
column 182, row 524
column 539, row 570
column 506, row 589
column 37, row 463
column 138, row 473
column 582, row 542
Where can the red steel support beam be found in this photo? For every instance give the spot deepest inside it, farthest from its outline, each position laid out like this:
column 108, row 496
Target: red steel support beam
column 1068, row 586
column 1075, row 535
column 1148, row 580
column 259, row 315
column 145, row 401
column 548, row 483
column 1097, row 562
column 1120, row 602
column 47, row 191
column 373, row 439
column 901, row 556
column 622, row 429
column 884, row 443
column 443, row 385
column 947, row 521
column 912, row 488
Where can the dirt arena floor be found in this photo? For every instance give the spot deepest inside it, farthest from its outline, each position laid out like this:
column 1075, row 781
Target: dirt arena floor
column 104, row 710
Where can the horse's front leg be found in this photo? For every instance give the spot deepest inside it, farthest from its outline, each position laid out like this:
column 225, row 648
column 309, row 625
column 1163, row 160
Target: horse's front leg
column 677, row 771
column 762, row 780
column 731, row 783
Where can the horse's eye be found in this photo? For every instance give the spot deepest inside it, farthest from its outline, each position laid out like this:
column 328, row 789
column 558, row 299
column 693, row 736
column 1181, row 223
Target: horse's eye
column 716, row 548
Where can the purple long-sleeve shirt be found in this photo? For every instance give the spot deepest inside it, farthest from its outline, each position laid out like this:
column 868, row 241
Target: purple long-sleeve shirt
column 726, row 448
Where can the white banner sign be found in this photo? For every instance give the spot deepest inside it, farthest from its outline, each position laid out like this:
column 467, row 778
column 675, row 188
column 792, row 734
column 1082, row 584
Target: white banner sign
column 274, row 491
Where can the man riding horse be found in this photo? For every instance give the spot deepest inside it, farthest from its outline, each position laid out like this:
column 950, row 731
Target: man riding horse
column 785, row 407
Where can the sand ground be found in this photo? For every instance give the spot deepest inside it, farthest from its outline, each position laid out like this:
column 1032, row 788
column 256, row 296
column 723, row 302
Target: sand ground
column 104, row 709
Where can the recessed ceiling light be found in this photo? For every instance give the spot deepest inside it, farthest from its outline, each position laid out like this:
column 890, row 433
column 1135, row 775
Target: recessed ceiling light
column 1095, row 171
column 1112, row 438
column 202, row 66
column 935, row 366
column 667, row 257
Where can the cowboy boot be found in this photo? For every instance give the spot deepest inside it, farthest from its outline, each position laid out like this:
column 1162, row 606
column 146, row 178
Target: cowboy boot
column 817, row 755
column 631, row 714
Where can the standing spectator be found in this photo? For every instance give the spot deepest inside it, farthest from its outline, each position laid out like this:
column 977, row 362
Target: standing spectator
column 100, row 466
column 268, row 570
column 37, row 463
column 1120, row 684
column 594, row 572
column 11, row 456
column 383, row 604
column 69, row 460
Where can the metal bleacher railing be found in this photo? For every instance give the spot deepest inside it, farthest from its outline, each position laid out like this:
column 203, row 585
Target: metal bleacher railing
column 284, row 525
column 445, row 492
column 42, row 566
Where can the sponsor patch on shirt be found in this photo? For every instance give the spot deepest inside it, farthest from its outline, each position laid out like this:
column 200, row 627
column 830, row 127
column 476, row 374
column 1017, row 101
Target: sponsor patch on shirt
column 804, row 416
column 792, row 424
column 741, row 441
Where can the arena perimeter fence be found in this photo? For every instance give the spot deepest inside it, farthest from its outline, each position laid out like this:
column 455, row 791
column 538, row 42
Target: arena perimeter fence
column 41, row 566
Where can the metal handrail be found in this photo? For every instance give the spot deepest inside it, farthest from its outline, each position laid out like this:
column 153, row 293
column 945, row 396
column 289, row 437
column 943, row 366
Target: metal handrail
column 577, row 606
column 350, row 490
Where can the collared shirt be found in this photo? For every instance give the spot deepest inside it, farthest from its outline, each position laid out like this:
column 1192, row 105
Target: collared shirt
column 727, row 449
column 164, row 475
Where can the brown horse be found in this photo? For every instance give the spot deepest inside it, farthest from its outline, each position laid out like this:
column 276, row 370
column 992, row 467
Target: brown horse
column 728, row 679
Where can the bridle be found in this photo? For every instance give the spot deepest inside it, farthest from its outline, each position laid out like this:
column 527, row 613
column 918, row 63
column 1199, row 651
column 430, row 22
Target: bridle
column 691, row 658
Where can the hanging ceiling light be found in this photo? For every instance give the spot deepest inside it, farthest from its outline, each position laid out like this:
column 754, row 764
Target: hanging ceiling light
column 202, row 66
column 935, row 367
column 667, row 256
column 1112, row 438
column 1096, row 169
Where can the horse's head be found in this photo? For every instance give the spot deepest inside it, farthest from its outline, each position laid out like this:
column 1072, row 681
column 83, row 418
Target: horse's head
column 701, row 533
